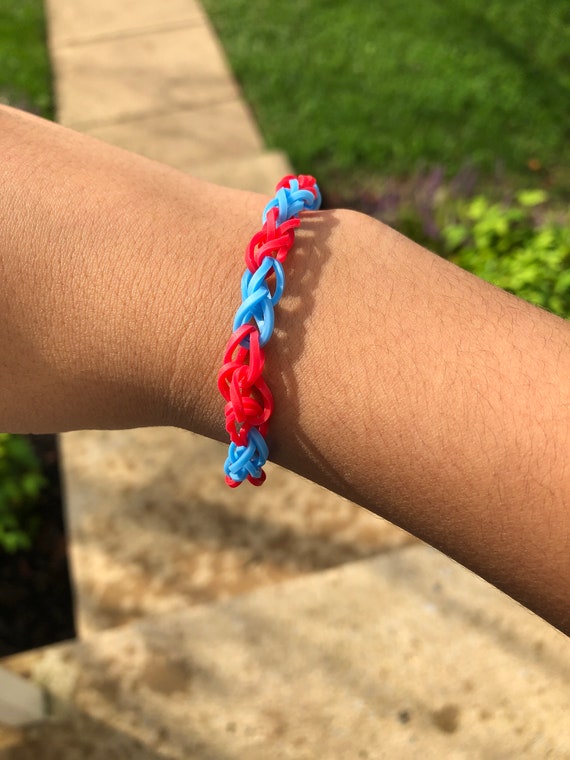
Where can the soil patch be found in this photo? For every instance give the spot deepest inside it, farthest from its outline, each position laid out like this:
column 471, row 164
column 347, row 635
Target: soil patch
column 36, row 605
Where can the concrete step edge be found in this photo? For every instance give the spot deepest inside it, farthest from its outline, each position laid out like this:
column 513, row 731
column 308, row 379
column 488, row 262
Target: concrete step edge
column 404, row 648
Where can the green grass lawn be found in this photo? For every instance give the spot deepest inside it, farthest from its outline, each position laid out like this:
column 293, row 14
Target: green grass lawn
column 364, row 88
column 25, row 78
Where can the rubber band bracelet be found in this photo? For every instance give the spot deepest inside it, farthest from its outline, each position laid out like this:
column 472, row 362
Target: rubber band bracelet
column 249, row 402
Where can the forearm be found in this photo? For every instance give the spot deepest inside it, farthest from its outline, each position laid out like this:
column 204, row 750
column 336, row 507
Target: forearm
column 434, row 399
column 400, row 381
column 426, row 395
column 108, row 263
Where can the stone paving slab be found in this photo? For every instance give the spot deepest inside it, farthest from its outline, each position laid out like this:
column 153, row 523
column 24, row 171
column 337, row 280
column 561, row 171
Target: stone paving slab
column 187, row 138
column 403, row 656
column 259, row 173
column 155, row 529
column 73, row 21
column 143, row 75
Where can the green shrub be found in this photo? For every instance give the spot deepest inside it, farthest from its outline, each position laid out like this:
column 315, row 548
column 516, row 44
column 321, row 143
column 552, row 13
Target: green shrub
column 25, row 75
column 511, row 248
column 21, row 481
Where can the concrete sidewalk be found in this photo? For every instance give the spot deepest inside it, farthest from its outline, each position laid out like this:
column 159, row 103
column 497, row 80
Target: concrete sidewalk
column 397, row 652
column 152, row 77
column 403, row 656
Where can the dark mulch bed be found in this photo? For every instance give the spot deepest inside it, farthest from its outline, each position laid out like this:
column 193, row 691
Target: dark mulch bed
column 36, row 606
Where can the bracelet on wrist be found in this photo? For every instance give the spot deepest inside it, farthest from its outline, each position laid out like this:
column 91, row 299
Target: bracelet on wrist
column 249, row 402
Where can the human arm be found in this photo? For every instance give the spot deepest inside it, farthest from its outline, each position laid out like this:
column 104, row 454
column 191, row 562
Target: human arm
column 400, row 381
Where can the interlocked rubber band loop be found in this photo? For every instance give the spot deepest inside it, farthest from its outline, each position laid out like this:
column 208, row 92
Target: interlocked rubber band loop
column 257, row 301
column 249, row 402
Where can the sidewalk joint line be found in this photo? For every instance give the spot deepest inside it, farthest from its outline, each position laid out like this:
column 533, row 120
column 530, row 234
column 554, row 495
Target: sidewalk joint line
column 142, row 116
column 69, row 43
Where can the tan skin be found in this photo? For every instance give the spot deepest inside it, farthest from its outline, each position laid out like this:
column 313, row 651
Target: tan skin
column 400, row 381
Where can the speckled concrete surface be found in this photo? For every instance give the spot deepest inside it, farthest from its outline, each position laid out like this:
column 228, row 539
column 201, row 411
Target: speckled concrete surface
column 155, row 528
column 402, row 656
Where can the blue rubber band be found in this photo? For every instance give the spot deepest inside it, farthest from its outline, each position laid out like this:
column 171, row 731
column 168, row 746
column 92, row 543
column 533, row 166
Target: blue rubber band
column 251, row 282
column 258, row 301
column 247, row 460
column 291, row 201
column 258, row 307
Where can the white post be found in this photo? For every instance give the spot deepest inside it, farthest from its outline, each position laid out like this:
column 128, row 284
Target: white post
column 21, row 701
